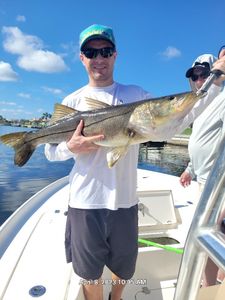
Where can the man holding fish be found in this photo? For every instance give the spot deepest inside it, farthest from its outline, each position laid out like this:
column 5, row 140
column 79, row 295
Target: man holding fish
column 102, row 224
column 100, row 127
column 102, row 218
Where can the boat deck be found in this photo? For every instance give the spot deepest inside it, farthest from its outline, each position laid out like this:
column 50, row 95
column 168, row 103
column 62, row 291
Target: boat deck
column 35, row 257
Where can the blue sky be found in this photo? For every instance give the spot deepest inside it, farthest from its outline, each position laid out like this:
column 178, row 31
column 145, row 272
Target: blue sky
column 156, row 42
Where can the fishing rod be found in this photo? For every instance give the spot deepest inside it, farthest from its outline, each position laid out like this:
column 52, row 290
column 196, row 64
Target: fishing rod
column 214, row 75
column 206, row 85
column 165, row 247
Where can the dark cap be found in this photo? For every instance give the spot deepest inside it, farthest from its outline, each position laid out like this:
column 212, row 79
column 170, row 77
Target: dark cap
column 204, row 66
column 97, row 31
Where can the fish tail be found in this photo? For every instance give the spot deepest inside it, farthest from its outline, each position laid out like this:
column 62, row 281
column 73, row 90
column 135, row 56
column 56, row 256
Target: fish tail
column 23, row 149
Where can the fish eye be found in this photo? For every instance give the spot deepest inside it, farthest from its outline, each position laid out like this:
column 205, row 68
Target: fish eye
column 171, row 97
column 130, row 132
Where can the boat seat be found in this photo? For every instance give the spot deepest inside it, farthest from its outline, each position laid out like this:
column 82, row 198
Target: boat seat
column 215, row 292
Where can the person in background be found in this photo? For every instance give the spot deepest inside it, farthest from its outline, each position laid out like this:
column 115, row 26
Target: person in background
column 197, row 75
column 102, row 220
column 207, row 132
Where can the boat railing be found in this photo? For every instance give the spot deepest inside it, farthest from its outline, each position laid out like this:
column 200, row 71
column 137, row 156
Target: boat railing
column 205, row 238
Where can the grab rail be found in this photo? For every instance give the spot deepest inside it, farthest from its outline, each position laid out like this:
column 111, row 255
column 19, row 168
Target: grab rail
column 204, row 238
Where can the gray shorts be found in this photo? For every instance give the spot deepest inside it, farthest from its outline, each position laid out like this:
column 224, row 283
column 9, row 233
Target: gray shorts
column 98, row 237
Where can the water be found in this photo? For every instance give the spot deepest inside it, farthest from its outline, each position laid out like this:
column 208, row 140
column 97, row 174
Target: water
column 19, row 184
column 170, row 159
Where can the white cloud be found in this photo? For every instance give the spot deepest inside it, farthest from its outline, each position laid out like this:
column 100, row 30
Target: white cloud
column 20, row 18
column 24, row 95
column 16, row 42
column 15, row 113
column 54, row 91
column 11, row 110
column 32, row 56
column 171, row 52
column 7, row 103
column 42, row 61
column 7, row 73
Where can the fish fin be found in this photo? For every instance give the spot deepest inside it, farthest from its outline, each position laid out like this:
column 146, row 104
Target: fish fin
column 23, row 149
column 114, row 154
column 95, row 104
column 61, row 111
column 12, row 139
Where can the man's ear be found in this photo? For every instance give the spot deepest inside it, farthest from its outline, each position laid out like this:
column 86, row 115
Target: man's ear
column 82, row 58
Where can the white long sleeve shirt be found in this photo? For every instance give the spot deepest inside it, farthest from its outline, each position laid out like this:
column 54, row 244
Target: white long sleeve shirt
column 207, row 133
column 92, row 183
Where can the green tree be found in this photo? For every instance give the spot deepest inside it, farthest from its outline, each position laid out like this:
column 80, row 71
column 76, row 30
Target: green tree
column 46, row 116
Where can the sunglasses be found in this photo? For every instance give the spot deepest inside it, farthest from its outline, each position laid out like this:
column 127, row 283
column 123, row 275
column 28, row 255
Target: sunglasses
column 204, row 75
column 105, row 52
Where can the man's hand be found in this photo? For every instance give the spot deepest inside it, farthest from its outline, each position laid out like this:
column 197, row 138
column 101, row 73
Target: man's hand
column 81, row 144
column 185, row 179
column 220, row 65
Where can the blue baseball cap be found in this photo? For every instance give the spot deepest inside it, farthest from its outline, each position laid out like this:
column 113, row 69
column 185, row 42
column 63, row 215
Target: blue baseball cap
column 94, row 32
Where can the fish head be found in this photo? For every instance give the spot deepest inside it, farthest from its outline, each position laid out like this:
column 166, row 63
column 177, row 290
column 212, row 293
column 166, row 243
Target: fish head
column 153, row 117
column 176, row 106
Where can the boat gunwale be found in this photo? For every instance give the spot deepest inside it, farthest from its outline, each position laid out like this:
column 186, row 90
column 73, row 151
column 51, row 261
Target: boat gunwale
column 10, row 228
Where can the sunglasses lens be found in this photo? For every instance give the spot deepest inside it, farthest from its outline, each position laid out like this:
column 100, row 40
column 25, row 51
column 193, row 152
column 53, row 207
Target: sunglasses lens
column 194, row 77
column 204, row 75
column 106, row 52
column 90, row 52
column 93, row 53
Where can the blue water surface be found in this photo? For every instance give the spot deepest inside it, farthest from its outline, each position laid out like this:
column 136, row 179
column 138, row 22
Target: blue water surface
column 19, row 184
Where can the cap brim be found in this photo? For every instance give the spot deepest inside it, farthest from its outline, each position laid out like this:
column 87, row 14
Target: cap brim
column 95, row 37
column 189, row 72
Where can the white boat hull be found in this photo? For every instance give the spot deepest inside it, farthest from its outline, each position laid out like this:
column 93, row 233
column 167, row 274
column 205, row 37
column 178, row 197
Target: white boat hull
column 32, row 245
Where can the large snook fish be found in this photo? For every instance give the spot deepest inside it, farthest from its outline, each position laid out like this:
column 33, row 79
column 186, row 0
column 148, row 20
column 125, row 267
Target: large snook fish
column 122, row 125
